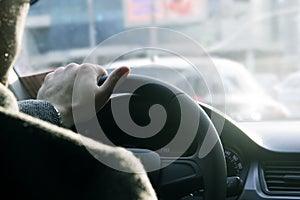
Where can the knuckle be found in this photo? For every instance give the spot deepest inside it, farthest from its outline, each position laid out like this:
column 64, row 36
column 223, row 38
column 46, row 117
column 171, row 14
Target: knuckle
column 48, row 76
column 58, row 69
column 100, row 70
column 71, row 66
column 93, row 68
column 85, row 67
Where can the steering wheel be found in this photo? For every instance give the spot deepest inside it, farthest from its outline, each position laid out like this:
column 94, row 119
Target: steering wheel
column 171, row 134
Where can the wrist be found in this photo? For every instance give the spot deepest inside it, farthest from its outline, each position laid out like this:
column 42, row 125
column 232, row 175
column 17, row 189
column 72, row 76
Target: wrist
column 65, row 116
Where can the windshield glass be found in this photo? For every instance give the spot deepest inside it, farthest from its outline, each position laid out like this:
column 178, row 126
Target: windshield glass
column 253, row 45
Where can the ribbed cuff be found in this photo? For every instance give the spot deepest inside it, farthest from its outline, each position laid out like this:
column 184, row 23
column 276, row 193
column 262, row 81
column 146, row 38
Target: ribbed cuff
column 41, row 109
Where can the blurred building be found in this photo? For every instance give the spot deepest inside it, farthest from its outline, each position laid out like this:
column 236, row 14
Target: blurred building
column 263, row 35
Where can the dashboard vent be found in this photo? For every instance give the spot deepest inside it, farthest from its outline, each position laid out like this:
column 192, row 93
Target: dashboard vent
column 281, row 177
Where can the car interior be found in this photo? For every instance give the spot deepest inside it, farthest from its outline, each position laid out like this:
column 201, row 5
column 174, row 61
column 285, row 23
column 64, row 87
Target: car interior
column 197, row 109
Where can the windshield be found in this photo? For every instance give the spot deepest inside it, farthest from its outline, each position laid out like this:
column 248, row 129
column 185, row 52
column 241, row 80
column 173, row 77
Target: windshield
column 253, row 46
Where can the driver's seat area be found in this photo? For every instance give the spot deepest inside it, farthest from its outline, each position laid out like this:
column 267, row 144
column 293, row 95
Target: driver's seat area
column 42, row 161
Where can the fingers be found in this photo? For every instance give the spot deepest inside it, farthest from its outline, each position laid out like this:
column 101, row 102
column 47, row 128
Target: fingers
column 74, row 89
column 88, row 73
column 61, row 69
column 71, row 65
column 84, row 78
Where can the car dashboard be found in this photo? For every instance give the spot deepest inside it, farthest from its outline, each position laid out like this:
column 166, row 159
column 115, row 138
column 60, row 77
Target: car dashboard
column 265, row 156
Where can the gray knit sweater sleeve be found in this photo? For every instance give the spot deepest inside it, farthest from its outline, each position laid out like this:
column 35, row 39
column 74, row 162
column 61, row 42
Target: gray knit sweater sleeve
column 40, row 109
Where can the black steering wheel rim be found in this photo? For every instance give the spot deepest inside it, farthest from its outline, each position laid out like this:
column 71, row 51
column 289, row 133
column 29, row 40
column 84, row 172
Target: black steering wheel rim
column 209, row 166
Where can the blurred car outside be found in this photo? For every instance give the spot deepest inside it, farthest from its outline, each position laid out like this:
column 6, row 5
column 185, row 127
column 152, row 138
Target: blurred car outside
column 235, row 92
column 269, row 82
column 288, row 93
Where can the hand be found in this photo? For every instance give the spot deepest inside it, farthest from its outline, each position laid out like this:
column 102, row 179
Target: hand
column 58, row 88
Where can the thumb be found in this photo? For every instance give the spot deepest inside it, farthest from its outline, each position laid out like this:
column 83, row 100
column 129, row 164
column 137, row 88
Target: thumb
column 104, row 91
